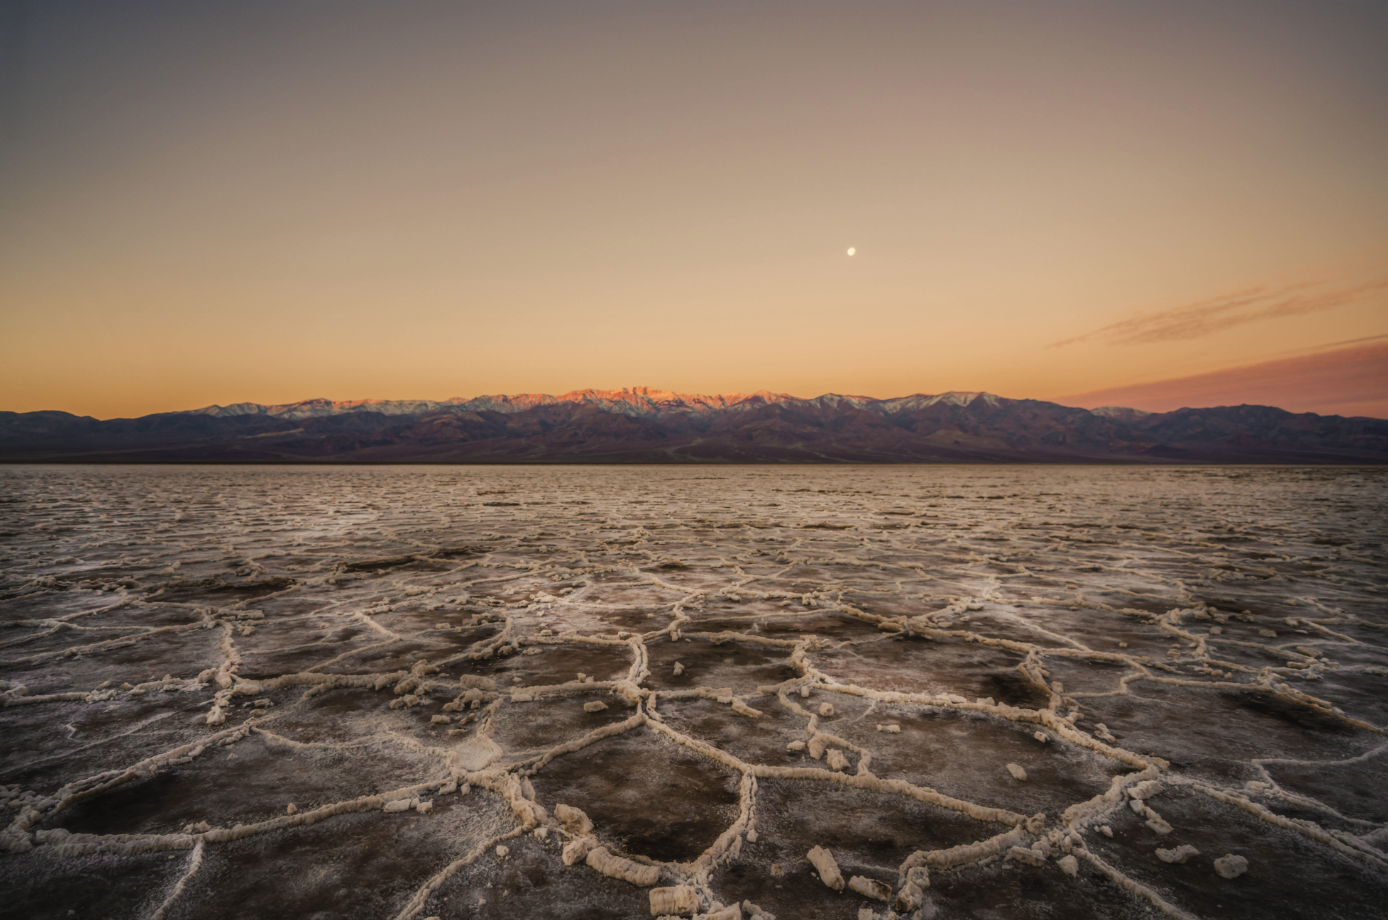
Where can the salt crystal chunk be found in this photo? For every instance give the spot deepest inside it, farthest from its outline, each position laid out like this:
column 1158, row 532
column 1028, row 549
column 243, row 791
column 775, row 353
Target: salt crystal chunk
column 795, row 746
column 829, row 873
column 424, row 807
column 502, row 852
column 890, row 728
column 1041, row 736
column 1069, row 865
column 909, row 897
column 1017, row 772
column 1024, row 855
column 594, row 706
column 573, row 820
column 1231, row 866
column 1145, row 790
column 622, row 868
column 576, row 850
column 1179, row 855
column 678, row 901
column 1106, row 830
column 870, row 888
column 291, row 809
column 440, row 720
column 679, row 669
column 756, row 913
column 826, row 709
column 836, row 760
column 397, row 806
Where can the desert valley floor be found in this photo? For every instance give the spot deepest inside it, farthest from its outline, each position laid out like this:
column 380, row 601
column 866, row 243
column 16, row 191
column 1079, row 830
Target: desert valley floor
column 590, row 692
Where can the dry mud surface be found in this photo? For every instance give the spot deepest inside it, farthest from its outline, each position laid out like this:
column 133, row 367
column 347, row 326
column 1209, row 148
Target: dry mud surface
column 748, row 692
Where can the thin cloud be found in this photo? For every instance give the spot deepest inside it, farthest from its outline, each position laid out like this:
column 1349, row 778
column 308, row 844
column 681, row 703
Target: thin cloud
column 1327, row 345
column 1206, row 317
column 1339, row 381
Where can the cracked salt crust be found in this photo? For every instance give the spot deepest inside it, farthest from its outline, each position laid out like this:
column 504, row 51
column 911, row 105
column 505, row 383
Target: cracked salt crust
column 327, row 613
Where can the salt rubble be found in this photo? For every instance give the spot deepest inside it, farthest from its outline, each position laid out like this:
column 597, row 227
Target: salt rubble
column 1178, row 855
column 828, row 869
column 870, row 888
column 680, row 900
column 622, row 868
column 437, row 625
column 1231, row 866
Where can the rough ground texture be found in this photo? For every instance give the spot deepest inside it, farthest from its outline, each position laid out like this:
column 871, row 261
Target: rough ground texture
column 500, row 692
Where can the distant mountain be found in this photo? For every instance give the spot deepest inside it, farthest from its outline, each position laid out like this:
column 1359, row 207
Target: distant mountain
column 642, row 425
column 633, row 401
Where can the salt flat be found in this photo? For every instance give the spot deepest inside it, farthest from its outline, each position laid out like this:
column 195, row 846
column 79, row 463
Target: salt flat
column 589, row 692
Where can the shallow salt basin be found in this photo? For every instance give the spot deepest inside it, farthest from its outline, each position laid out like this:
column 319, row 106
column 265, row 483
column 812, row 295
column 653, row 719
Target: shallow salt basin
column 794, row 692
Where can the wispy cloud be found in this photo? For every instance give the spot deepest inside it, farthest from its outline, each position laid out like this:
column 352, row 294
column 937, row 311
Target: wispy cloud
column 1206, row 317
column 1340, row 381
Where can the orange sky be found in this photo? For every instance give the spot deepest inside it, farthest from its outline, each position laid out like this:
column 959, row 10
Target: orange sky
column 226, row 202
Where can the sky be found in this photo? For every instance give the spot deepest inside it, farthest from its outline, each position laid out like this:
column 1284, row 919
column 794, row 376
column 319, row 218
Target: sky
column 1131, row 203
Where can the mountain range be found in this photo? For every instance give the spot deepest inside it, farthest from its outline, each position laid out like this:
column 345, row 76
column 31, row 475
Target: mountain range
column 642, row 425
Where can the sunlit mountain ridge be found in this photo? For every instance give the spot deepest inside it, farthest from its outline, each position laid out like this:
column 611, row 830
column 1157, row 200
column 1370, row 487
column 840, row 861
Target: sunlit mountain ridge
column 643, row 425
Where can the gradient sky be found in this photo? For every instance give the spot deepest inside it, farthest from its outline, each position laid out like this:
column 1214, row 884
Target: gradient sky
column 216, row 202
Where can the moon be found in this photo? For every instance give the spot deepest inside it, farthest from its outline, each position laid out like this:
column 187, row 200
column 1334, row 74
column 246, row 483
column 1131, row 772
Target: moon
column 852, row 250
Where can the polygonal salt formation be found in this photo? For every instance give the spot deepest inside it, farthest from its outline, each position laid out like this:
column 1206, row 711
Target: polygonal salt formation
column 362, row 621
